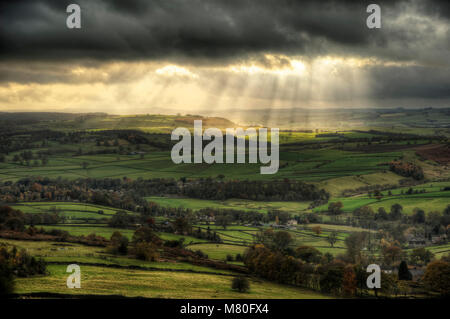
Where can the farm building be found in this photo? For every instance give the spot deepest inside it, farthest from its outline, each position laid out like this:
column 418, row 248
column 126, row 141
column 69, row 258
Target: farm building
column 414, row 241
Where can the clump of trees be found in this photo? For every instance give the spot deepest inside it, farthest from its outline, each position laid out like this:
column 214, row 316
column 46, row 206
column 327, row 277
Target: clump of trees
column 118, row 244
column 308, row 254
column 14, row 262
column 420, row 256
column 240, row 284
column 11, row 219
column 278, row 241
column 146, row 251
column 406, row 169
column 308, row 271
column 6, row 279
column 122, row 219
column 335, row 208
column 208, row 234
column 146, row 244
column 403, row 271
column 332, row 238
column 14, row 219
column 437, row 277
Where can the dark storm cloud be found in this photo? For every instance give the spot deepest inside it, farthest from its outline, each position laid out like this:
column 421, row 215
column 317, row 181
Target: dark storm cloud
column 437, row 7
column 209, row 30
column 411, row 82
column 36, row 45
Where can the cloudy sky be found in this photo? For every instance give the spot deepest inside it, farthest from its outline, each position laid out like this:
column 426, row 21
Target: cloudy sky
column 139, row 56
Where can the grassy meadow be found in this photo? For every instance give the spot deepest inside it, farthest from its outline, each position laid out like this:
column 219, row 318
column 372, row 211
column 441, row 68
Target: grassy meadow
column 157, row 284
column 348, row 155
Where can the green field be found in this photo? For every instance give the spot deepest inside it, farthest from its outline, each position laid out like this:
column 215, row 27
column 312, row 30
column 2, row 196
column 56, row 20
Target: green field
column 71, row 211
column 157, row 280
column 218, row 251
column 156, row 284
column 81, row 230
column 432, row 200
column 346, row 154
column 106, row 232
column 339, row 228
column 440, row 250
column 305, row 165
column 437, row 250
column 240, row 204
column 335, row 186
column 66, row 253
column 409, row 204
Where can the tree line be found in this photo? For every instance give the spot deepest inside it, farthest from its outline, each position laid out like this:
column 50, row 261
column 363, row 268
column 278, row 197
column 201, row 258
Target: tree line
column 274, row 258
column 129, row 194
column 285, row 190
